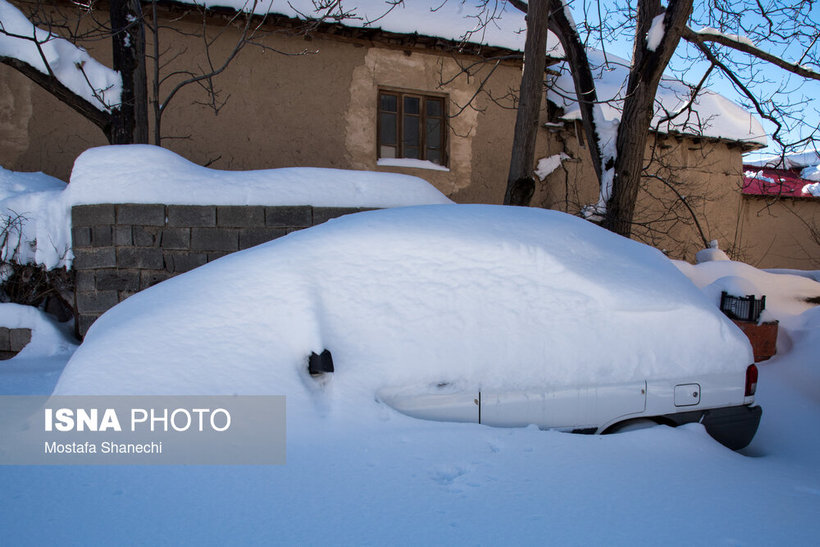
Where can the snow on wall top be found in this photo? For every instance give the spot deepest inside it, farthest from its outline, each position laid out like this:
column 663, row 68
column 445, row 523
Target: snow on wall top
column 474, row 296
column 149, row 174
column 71, row 65
column 41, row 205
column 712, row 115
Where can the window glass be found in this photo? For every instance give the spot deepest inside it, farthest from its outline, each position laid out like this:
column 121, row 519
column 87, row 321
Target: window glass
column 411, row 125
column 387, row 128
column 389, row 103
column 434, row 107
column 433, row 133
column 412, row 105
column 411, row 131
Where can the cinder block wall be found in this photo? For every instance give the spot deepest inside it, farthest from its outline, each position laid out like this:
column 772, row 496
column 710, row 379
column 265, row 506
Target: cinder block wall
column 12, row 341
column 121, row 249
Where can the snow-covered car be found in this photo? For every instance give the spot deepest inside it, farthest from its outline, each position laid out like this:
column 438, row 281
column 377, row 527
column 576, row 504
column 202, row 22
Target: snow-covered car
column 498, row 315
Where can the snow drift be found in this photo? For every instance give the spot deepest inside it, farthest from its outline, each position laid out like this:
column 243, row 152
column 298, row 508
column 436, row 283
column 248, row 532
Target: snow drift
column 472, row 295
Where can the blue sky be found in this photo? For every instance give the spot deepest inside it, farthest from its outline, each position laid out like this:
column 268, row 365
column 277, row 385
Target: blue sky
column 797, row 89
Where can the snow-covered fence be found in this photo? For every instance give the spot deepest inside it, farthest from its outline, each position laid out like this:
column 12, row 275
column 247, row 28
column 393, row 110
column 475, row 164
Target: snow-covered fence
column 121, row 249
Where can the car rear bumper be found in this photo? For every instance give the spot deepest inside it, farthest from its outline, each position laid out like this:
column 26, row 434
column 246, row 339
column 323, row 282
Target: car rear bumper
column 733, row 427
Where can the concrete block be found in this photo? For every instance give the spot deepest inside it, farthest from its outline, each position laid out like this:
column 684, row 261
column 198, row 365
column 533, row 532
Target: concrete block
column 19, row 338
column 191, row 215
column 122, row 295
column 214, row 239
column 92, row 215
column 92, row 259
column 85, row 280
column 123, row 236
column 217, row 255
column 5, row 339
column 250, row 237
column 96, row 302
column 138, row 213
column 298, row 216
column 175, row 238
column 145, row 258
column 101, row 236
column 145, row 236
column 81, row 236
column 151, row 278
column 118, row 280
column 240, row 216
column 84, row 322
column 323, row 214
column 177, row 262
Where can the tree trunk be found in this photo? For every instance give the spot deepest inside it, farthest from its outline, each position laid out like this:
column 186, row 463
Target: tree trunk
column 575, row 54
column 520, row 183
column 639, row 105
column 130, row 120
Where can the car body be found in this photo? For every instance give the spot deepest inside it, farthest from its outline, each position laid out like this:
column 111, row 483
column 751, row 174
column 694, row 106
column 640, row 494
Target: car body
column 723, row 403
column 504, row 316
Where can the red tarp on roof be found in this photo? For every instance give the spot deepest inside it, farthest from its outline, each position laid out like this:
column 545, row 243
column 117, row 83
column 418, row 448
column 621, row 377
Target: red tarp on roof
column 759, row 181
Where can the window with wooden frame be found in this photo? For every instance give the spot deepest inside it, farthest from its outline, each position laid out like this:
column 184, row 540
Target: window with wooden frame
column 413, row 126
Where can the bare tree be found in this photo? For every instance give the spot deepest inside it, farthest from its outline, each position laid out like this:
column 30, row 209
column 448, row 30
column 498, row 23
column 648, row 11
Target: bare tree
column 43, row 46
column 726, row 41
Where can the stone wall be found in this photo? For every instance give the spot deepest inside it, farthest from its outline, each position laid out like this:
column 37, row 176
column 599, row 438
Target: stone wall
column 121, row 249
column 12, row 341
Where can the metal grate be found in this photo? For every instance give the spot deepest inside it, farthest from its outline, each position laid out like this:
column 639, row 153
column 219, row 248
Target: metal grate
column 746, row 308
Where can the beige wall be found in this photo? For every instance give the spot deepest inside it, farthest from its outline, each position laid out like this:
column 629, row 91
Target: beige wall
column 781, row 233
column 312, row 109
column 319, row 109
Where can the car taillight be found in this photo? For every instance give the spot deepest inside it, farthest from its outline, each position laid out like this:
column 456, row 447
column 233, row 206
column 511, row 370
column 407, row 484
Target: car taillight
column 751, row 380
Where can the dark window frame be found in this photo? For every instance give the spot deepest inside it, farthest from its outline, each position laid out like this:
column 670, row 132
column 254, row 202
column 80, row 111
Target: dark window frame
column 398, row 141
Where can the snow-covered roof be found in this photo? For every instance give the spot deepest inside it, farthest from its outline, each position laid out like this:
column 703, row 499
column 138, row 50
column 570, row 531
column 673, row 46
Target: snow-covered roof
column 494, row 24
column 796, row 174
column 499, row 24
column 711, row 115
column 794, row 160
column 764, row 181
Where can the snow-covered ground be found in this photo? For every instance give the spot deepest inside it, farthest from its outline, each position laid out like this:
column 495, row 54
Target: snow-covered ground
column 373, row 476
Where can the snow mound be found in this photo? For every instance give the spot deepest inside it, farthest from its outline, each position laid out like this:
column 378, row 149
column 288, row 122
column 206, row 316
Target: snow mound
column 34, row 216
column 812, row 189
column 47, row 336
column 713, row 252
column 811, row 173
column 477, row 296
column 787, row 294
column 149, row 174
column 36, row 208
column 14, row 183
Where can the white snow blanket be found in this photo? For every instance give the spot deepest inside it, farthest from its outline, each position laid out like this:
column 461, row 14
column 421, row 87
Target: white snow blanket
column 476, row 296
column 39, row 206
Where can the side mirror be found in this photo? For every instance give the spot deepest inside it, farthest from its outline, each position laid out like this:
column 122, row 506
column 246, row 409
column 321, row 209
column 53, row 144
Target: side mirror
column 320, row 364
